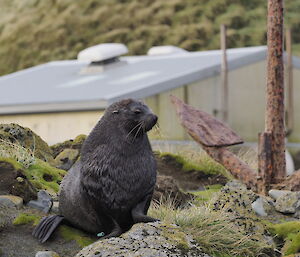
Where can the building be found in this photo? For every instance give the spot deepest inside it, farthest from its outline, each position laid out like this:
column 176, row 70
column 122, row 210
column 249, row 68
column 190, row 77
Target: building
column 62, row 99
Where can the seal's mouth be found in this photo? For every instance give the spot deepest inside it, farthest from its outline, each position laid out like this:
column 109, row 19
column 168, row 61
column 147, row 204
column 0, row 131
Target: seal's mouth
column 150, row 121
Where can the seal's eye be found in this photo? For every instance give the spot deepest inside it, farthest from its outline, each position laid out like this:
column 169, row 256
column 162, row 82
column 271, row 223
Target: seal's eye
column 115, row 112
column 137, row 111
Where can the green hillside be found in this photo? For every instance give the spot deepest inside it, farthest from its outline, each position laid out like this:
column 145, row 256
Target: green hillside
column 37, row 31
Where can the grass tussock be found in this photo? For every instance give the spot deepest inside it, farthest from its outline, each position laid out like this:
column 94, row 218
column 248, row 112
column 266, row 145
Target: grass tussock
column 214, row 231
column 17, row 152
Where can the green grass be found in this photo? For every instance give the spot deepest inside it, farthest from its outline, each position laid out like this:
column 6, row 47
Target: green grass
column 214, row 231
column 34, row 32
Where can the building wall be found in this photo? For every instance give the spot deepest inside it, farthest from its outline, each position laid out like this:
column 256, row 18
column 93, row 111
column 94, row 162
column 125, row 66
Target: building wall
column 246, row 102
column 56, row 127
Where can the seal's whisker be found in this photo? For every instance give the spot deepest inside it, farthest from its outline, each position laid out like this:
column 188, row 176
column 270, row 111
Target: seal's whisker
column 133, row 129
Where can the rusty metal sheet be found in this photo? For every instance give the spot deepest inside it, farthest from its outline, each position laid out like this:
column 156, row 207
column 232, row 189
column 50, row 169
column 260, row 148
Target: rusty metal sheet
column 204, row 128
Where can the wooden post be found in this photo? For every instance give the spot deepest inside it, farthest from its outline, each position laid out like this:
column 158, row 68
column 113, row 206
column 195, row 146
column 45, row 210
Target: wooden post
column 224, row 76
column 265, row 162
column 289, row 81
column 274, row 119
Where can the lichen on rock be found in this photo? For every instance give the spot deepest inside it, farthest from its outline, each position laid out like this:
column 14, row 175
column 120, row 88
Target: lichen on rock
column 146, row 239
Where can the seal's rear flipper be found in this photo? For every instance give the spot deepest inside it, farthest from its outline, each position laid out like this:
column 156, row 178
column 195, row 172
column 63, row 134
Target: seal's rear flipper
column 46, row 227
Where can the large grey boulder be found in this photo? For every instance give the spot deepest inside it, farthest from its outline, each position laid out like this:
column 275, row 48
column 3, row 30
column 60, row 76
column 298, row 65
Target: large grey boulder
column 288, row 203
column 147, row 240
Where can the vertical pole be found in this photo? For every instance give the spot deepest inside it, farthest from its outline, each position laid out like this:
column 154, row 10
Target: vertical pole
column 224, row 76
column 274, row 119
column 290, row 86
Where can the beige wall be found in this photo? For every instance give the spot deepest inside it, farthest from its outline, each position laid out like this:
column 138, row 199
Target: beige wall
column 56, row 127
column 246, row 102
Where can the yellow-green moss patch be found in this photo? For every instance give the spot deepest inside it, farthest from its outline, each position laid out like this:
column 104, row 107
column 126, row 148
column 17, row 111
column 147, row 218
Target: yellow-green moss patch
column 80, row 237
column 43, row 176
column 25, row 218
column 290, row 233
column 202, row 162
column 13, row 162
column 206, row 195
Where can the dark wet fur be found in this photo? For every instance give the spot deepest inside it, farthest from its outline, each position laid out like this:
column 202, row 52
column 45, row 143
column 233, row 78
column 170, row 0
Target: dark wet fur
column 111, row 187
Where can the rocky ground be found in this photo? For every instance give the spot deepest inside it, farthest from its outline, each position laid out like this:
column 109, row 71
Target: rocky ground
column 29, row 191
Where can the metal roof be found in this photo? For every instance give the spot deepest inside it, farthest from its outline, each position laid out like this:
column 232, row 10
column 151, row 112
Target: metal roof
column 62, row 86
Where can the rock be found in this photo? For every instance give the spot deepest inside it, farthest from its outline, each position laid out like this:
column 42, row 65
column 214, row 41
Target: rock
column 43, row 203
column 15, row 133
column 13, row 181
column 55, row 207
column 68, row 144
column 258, row 207
column 288, row 203
column 14, row 200
column 7, row 213
column 147, row 240
column 46, row 254
column 65, row 159
column 166, row 189
column 275, row 194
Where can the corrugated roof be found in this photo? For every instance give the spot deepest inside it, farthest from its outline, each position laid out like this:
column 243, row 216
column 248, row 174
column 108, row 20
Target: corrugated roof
column 62, row 86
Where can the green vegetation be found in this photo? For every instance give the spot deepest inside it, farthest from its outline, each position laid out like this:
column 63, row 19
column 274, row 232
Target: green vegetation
column 215, row 231
column 34, row 31
column 290, row 233
column 80, row 237
column 196, row 161
column 43, row 176
column 25, row 218
column 206, row 195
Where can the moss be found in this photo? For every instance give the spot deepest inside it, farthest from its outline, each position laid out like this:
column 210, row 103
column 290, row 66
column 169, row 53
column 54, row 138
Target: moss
column 81, row 238
column 39, row 171
column 79, row 139
column 290, row 233
column 206, row 195
column 13, row 162
column 202, row 163
column 25, row 218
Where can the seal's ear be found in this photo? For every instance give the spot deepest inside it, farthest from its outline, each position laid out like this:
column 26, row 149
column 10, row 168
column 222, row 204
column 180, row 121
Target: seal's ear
column 115, row 111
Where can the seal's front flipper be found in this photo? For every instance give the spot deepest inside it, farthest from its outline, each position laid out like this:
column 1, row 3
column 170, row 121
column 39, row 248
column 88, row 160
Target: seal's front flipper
column 46, row 227
column 139, row 212
column 116, row 231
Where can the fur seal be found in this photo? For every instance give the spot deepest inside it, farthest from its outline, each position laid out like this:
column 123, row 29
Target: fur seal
column 110, row 188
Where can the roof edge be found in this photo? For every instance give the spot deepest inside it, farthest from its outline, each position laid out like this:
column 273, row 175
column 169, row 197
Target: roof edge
column 52, row 107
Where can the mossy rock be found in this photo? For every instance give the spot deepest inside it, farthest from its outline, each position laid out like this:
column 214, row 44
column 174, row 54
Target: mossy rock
column 65, row 159
column 26, row 218
column 68, row 144
column 43, row 176
column 207, row 194
column 17, row 134
column 289, row 232
column 13, row 180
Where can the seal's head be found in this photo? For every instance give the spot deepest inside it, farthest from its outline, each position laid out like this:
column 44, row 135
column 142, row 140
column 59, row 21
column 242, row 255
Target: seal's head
column 132, row 115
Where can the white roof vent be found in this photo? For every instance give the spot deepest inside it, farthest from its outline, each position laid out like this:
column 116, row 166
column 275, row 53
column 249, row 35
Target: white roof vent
column 102, row 52
column 164, row 50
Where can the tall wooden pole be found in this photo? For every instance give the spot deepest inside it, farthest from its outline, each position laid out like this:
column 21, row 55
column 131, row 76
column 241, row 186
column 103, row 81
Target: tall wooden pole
column 289, row 81
column 224, row 75
column 274, row 119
